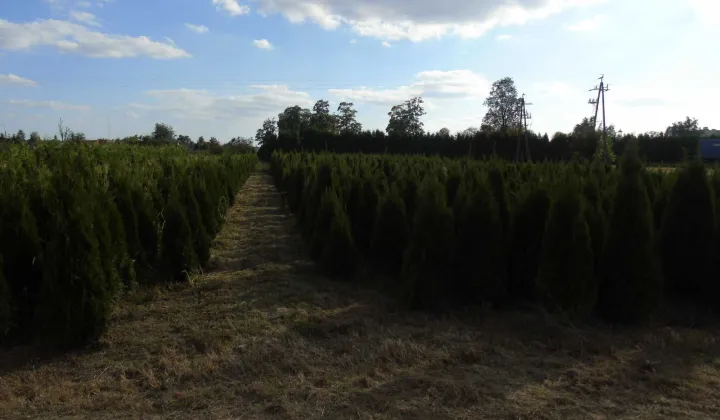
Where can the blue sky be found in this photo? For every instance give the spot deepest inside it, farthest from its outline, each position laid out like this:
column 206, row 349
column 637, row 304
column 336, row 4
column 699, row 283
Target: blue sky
column 220, row 67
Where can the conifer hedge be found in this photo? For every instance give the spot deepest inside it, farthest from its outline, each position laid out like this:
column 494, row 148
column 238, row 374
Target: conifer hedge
column 80, row 225
column 579, row 237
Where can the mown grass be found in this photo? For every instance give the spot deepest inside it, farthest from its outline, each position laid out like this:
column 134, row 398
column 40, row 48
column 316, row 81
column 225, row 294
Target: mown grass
column 262, row 336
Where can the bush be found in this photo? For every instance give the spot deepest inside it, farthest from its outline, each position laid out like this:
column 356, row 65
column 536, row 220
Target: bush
column 526, row 248
column 566, row 280
column 391, row 232
column 429, row 256
column 631, row 286
column 480, row 274
column 687, row 235
column 339, row 256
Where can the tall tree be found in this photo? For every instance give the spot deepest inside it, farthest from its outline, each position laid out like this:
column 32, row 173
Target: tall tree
column 292, row 121
column 405, row 118
column 321, row 118
column 689, row 127
column 163, row 133
column 345, row 119
column 444, row 132
column 503, row 106
column 268, row 133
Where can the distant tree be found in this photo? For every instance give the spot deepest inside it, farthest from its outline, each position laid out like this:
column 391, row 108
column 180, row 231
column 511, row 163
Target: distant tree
column 292, row 121
column 163, row 133
column 19, row 137
column 268, row 133
column 689, row 127
column 405, row 118
column 63, row 130
column 471, row 131
column 345, row 119
column 241, row 145
column 321, row 118
column 76, row 136
column 201, row 143
column 444, row 132
column 34, row 138
column 503, row 106
column 184, row 140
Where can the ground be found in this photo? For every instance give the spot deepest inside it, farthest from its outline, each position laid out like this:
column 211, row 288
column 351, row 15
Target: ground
column 260, row 335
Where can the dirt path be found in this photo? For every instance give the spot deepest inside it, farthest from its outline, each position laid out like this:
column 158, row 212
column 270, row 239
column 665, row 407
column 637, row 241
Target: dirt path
column 262, row 336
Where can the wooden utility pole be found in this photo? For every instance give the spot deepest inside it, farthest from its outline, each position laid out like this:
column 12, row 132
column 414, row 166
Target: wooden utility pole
column 601, row 89
column 524, row 116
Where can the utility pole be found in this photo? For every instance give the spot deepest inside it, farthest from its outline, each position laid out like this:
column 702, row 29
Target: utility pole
column 524, row 116
column 601, row 89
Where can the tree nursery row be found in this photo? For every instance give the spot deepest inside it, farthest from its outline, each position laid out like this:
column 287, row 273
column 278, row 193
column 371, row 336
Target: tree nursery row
column 81, row 224
column 581, row 238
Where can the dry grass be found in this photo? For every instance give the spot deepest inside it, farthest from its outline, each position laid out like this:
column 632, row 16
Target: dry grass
column 262, row 336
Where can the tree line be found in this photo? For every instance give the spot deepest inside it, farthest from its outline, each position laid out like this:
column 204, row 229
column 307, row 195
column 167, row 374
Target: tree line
column 297, row 128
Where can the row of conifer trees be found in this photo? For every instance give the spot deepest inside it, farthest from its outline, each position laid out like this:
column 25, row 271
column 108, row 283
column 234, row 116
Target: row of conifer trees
column 581, row 238
column 79, row 224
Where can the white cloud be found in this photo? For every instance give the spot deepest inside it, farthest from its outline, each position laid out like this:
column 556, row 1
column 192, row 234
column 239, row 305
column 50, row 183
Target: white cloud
column 429, row 84
column 263, row 44
column 85, row 17
column 70, row 37
column 205, row 105
column 200, row 29
column 386, row 44
column 418, row 20
column 504, row 37
column 11, row 79
column 231, row 6
column 587, row 25
column 55, row 105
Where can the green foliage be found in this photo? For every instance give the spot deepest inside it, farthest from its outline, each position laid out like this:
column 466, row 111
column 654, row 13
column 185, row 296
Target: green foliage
column 391, row 232
column 526, row 244
column 339, row 256
column 504, row 234
column 480, row 271
column 631, row 286
column 566, row 280
column 688, row 232
column 429, row 255
column 82, row 223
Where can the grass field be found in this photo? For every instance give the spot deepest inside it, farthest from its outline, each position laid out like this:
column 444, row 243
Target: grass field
column 262, row 336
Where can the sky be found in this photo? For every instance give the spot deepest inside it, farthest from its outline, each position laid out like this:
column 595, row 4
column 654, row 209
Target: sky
column 112, row 68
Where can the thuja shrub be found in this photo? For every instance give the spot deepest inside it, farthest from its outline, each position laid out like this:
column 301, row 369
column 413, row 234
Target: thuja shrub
column 323, row 222
column 6, row 315
column 526, row 250
column 480, row 254
column 339, row 257
column 631, row 288
column 687, row 234
column 391, row 232
column 428, row 259
column 566, row 280
column 81, row 222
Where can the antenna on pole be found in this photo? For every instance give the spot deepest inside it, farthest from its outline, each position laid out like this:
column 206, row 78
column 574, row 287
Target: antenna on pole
column 601, row 89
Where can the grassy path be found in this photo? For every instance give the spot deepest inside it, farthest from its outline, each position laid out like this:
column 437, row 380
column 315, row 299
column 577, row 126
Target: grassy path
column 262, row 336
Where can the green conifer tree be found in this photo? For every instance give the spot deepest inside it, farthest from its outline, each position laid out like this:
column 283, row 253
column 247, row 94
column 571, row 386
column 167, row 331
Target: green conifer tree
column 391, row 232
column 526, row 244
column 566, row 280
column 480, row 270
column 631, row 288
column 428, row 260
column 687, row 236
